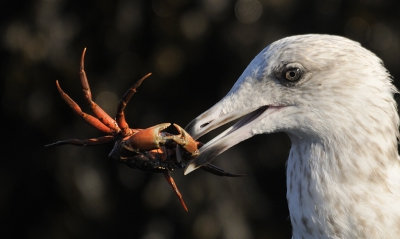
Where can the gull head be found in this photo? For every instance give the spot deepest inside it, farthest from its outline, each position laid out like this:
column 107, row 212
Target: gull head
column 316, row 87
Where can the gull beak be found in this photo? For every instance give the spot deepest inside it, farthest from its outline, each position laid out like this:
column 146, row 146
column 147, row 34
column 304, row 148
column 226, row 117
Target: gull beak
column 214, row 118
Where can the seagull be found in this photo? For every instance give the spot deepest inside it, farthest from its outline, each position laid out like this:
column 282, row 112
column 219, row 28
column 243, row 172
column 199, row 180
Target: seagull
column 334, row 99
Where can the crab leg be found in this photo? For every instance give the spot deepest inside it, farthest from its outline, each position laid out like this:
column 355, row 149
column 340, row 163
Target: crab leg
column 98, row 112
column 93, row 121
column 120, row 116
column 171, row 182
column 84, row 142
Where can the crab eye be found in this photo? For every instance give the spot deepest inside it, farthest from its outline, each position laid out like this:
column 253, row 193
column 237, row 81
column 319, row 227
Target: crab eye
column 293, row 74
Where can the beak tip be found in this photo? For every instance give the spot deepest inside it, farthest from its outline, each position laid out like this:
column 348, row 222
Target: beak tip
column 190, row 168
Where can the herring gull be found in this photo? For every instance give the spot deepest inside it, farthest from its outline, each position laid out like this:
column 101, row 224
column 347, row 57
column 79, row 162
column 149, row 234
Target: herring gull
column 335, row 100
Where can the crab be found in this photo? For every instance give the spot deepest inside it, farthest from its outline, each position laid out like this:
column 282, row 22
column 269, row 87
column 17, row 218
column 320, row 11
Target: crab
column 151, row 149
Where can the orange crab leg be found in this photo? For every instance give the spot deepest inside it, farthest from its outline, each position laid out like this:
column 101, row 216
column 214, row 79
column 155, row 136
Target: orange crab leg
column 98, row 112
column 171, row 182
column 120, row 116
column 84, row 142
column 93, row 121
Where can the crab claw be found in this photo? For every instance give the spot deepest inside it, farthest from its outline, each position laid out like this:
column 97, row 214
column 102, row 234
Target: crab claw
column 149, row 139
column 184, row 140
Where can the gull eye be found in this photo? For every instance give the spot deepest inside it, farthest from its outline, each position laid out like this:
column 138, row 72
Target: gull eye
column 293, row 74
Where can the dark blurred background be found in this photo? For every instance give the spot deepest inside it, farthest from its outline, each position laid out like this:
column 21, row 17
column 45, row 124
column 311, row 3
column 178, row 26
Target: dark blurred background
column 196, row 51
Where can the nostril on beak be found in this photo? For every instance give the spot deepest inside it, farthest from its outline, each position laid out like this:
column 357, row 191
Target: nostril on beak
column 205, row 124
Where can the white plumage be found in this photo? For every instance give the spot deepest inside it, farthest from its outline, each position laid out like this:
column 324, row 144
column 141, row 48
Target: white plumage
column 335, row 101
